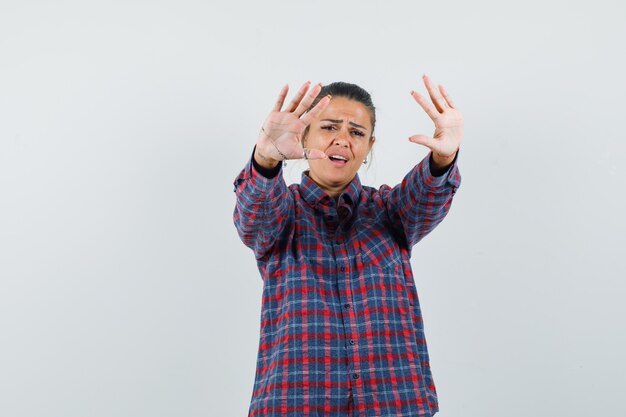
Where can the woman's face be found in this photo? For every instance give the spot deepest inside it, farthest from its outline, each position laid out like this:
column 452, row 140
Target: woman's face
column 344, row 132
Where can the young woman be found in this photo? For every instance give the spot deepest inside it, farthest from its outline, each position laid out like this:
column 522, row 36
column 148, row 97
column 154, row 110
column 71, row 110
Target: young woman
column 341, row 327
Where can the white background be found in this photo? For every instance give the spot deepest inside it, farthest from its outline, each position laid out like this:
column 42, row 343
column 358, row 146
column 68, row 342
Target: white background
column 124, row 288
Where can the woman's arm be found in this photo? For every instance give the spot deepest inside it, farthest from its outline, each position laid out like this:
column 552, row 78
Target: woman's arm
column 262, row 206
column 423, row 198
column 264, row 203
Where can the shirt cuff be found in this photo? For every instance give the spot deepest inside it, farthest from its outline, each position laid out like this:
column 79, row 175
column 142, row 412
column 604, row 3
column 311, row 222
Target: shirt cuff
column 438, row 179
column 261, row 179
column 266, row 172
column 440, row 172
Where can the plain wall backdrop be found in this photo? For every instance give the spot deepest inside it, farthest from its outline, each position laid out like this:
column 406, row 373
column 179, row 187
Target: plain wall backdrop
column 124, row 288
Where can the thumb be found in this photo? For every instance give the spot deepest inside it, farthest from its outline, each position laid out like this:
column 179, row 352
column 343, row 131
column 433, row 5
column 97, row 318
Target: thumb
column 427, row 141
column 314, row 154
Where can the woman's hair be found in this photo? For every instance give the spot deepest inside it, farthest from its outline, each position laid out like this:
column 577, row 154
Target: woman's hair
column 349, row 91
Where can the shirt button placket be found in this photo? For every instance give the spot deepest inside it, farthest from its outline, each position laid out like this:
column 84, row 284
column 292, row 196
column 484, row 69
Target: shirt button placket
column 342, row 258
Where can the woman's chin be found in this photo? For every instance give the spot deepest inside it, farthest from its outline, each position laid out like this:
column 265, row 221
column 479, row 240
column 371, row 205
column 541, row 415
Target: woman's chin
column 331, row 176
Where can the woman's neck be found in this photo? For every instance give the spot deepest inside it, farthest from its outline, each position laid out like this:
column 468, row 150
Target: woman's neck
column 333, row 191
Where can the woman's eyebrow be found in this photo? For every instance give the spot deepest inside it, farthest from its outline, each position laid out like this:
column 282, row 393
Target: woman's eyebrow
column 341, row 121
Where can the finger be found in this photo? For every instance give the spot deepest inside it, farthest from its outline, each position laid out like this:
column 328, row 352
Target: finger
column 296, row 100
column 430, row 110
column 281, row 98
column 434, row 94
column 308, row 100
column 313, row 154
column 427, row 141
column 445, row 95
column 315, row 111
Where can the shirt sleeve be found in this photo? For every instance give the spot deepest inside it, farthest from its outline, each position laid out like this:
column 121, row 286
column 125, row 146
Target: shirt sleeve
column 422, row 200
column 262, row 207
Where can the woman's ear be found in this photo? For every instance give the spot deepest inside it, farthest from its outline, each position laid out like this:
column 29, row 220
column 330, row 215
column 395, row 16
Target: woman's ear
column 372, row 140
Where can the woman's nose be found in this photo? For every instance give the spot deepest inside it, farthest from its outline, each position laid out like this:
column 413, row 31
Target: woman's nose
column 341, row 139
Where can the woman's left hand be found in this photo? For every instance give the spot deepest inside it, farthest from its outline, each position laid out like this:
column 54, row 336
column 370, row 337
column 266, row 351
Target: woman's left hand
column 448, row 120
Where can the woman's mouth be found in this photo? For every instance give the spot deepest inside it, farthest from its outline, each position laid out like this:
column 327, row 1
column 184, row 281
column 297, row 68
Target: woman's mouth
column 338, row 160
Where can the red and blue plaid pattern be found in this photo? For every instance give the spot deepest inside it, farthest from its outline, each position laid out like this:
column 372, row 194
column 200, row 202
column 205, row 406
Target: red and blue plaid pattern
column 341, row 327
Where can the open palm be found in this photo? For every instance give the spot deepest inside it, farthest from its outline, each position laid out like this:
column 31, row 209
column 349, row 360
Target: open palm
column 281, row 135
column 447, row 118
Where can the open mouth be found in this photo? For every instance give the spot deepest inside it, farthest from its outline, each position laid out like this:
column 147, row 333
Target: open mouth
column 338, row 160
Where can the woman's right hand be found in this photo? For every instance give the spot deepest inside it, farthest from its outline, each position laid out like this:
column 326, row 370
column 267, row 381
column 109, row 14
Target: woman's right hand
column 281, row 135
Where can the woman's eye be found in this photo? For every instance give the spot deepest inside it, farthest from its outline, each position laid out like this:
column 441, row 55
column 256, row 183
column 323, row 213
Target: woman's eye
column 332, row 127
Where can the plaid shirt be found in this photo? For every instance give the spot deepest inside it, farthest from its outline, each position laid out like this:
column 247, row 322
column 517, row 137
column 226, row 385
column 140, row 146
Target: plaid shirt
column 341, row 330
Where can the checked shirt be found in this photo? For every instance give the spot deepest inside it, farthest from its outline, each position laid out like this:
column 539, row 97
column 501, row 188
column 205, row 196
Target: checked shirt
column 341, row 331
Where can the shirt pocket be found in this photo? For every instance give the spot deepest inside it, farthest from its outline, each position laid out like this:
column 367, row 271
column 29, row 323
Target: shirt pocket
column 382, row 273
column 378, row 249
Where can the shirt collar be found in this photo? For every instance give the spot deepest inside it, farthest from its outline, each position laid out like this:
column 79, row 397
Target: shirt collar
column 315, row 196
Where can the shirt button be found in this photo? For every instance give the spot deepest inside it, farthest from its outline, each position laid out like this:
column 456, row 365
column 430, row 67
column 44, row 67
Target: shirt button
column 342, row 269
column 352, row 342
column 355, row 376
column 346, row 306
